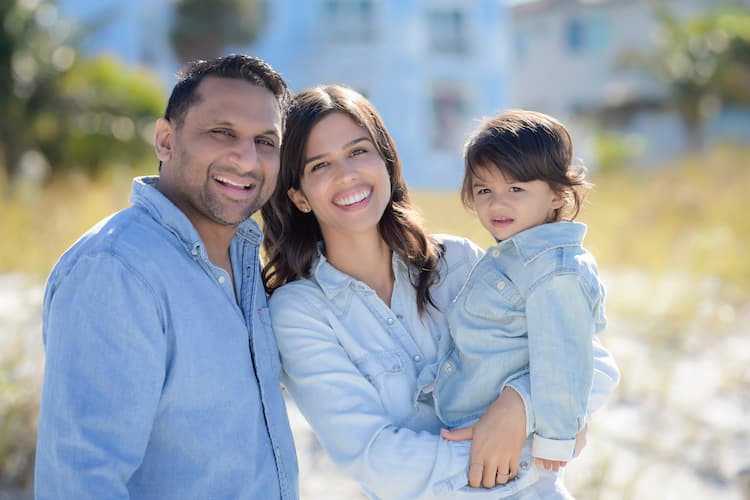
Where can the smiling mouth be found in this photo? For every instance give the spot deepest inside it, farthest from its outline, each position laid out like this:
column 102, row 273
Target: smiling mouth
column 226, row 182
column 353, row 199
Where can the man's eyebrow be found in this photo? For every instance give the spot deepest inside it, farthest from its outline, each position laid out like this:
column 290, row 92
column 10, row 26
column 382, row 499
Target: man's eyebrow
column 228, row 123
column 348, row 144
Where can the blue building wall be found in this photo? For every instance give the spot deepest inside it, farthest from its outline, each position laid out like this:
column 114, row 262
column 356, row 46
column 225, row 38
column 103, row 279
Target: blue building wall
column 431, row 67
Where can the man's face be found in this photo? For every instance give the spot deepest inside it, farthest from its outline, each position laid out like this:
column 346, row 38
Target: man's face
column 221, row 163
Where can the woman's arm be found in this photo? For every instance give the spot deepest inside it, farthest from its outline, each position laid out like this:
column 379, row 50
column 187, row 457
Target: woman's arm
column 348, row 417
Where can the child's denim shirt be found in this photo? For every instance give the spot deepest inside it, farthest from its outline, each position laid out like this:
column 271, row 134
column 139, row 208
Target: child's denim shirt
column 532, row 304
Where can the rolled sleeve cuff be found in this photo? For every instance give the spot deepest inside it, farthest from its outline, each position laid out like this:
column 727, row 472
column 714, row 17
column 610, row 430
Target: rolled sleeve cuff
column 553, row 449
column 522, row 385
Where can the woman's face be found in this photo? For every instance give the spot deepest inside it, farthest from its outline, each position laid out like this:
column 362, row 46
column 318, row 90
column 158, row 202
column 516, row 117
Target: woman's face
column 345, row 181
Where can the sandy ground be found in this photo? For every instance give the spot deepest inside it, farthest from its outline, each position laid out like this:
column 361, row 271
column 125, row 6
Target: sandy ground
column 677, row 428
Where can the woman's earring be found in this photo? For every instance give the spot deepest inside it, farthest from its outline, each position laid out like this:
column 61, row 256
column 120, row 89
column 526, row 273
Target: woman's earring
column 305, row 209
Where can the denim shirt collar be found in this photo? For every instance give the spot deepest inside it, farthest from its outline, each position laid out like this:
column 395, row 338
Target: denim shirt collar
column 534, row 241
column 145, row 195
column 332, row 281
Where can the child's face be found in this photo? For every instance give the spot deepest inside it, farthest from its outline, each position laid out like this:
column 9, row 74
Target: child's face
column 506, row 207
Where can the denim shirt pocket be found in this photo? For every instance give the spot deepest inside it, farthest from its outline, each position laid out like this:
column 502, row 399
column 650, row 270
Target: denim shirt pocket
column 271, row 349
column 373, row 366
column 494, row 299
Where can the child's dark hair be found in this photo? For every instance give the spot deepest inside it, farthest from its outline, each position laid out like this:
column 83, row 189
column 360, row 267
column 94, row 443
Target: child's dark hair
column 527, row 146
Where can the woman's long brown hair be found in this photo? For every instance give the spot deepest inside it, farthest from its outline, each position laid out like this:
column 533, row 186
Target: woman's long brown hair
column 291, row 237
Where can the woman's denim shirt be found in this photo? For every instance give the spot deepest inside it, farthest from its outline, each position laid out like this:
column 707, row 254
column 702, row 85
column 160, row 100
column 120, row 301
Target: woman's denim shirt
column 361, row 373
column 533, row 303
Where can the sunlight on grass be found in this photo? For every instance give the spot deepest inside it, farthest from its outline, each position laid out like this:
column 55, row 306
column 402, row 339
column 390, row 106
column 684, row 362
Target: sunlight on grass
column 688, row 218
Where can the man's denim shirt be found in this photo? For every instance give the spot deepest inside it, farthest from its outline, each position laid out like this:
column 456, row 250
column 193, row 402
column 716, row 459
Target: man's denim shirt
column 533, row 303
column 361, row 373
column 159, row 384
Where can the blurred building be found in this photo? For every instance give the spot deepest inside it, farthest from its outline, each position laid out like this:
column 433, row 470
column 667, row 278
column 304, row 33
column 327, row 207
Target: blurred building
column 434, row 67
column 430, row 67
column 135, row 31
column 566, row 61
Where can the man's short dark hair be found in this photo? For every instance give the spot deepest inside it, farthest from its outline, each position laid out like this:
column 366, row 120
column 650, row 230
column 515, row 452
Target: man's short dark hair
column 240, row 67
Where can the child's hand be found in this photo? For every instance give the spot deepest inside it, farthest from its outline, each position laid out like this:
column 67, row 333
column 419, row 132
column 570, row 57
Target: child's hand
column 552, row 465
column 498, row 438
column 581, row 440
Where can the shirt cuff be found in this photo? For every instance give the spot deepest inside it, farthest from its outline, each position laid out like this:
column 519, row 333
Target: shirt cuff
column 522, row 385
column 553, row 449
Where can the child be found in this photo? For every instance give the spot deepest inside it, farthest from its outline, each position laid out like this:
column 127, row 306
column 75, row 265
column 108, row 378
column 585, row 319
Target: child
column 534, row 302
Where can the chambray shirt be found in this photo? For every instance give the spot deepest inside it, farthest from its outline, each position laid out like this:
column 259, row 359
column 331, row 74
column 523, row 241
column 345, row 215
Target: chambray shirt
column 533, row 303
column 159, row 384
column 361, row 373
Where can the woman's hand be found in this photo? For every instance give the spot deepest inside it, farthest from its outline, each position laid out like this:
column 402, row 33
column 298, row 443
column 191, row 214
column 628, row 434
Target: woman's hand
column 498, row 438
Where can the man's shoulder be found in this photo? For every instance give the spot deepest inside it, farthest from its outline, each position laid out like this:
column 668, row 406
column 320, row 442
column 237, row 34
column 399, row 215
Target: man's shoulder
column 130, row 235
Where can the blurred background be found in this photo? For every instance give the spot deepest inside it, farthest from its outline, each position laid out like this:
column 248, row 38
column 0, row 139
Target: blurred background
column 656, row 94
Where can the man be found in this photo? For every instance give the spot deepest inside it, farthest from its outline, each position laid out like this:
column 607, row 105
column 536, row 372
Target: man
column 161, row 375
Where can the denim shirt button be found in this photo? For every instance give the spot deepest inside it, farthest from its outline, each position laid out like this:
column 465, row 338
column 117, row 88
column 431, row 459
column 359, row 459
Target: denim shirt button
column 448, row 367
column 523, row 466
column 389, row 321
column 277, row 451
column 495, row 252
column 222, row 279
column 194, row 251
column 417, row 358
column 500, row 285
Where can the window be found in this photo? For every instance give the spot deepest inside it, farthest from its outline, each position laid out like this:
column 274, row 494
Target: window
column 590, row 35
column 449, row 109
column 348, row 20
column 574, row 35
column 446, row 30
column 520, row 46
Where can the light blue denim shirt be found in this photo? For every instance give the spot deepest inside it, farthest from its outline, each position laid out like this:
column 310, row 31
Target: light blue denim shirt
column 533, row 304
column 361, row 373
column 158, row 383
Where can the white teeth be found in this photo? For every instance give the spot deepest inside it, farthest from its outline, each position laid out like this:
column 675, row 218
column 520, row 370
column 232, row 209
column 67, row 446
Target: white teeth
column 353, row 198
column 230, row 183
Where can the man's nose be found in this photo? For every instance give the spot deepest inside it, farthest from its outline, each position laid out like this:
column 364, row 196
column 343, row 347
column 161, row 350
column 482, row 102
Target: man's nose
column 245, row 155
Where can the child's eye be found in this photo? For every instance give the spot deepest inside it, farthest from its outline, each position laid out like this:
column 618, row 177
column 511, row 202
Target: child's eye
column 358, row 151
column 515, row 189
column 264, row 141
column 483, row 191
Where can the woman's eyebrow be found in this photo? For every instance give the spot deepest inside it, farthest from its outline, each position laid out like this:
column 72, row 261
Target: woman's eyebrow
column 348, row 144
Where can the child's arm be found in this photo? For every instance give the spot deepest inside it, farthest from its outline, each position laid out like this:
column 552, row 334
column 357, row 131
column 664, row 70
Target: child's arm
column 560, row 327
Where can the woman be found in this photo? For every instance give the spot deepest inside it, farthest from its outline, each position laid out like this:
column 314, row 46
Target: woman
column 359, row 293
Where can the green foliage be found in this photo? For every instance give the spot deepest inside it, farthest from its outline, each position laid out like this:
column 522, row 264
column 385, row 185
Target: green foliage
column 35, row 49
column 615, row 151
column 111, row 112
column 60, row 111
column 703, row 61
column 203, row 30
